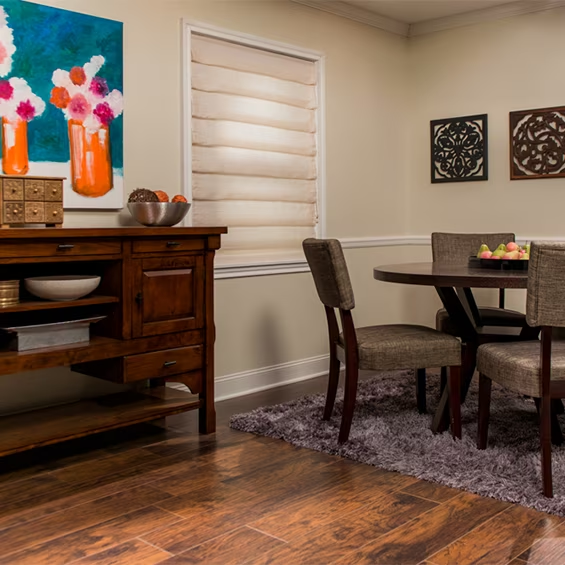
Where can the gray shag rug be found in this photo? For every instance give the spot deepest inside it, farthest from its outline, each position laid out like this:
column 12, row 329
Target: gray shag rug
column 388, row 432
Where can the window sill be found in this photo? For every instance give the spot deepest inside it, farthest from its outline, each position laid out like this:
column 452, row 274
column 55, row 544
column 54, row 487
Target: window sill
column 260, row 269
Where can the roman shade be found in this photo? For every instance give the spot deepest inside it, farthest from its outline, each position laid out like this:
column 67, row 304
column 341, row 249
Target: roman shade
column 254, row 149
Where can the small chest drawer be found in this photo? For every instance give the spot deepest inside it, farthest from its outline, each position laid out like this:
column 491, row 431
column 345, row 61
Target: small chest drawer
column 168, row 245
column 34, row 190
column 163, row 363
column 57, row 248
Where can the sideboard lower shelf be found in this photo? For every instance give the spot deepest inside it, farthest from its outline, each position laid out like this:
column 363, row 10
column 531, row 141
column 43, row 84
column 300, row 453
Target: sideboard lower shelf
column 21, row 432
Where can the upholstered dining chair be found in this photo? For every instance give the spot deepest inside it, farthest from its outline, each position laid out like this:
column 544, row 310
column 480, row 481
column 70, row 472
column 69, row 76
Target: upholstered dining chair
column 532, row 368
column 457, row 248
column 377, row 348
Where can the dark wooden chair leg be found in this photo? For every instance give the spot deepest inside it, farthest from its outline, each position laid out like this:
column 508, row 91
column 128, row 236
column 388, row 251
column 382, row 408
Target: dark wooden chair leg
column 485, row 385
column 421, row 390
column 351, row 376
column 556, row 433
column 333, row 381
column 442, row 380
column 545, row 437
column 455, row 400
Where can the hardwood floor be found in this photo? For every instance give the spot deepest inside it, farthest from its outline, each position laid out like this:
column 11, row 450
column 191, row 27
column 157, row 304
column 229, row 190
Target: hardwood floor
column 151, row 495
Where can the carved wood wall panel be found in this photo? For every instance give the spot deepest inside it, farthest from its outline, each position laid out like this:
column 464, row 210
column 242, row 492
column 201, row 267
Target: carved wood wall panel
column 459, row 149
column 537, row 143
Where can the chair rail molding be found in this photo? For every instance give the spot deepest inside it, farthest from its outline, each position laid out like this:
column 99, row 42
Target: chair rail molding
column 518, row 8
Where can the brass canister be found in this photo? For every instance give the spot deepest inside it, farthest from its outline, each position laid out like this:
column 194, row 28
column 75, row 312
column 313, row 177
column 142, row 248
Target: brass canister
column 9, row 293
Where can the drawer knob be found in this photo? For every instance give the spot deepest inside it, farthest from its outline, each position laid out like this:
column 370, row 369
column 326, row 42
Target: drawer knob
column 35, row 212
column 55, row 212
column 54, row 191
column 169, row 363
column 173, row 243
column 64, row 247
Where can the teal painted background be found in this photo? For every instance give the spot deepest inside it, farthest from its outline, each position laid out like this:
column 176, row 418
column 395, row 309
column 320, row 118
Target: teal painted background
column 47, row 39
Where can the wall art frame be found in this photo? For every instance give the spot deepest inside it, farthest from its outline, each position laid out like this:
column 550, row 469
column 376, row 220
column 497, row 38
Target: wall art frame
column 459, row 149
column 537, row 143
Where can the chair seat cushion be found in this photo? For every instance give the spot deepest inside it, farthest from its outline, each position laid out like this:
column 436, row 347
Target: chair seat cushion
column 391, row 347
column 516, row 365
column 489, row 316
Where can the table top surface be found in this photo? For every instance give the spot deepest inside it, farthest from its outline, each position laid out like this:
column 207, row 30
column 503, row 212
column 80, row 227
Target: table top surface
column 450, row 275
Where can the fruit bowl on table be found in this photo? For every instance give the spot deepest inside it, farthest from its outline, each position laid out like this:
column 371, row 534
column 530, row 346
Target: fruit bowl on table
column 158, row 213
column 508, row 256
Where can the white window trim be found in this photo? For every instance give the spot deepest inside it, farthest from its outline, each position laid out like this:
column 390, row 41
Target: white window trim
column 189, row 27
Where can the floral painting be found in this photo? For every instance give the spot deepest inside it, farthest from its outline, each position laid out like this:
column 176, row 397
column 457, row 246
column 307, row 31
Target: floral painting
column 61, row 100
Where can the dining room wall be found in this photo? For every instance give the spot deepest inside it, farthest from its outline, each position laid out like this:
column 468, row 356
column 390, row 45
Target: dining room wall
column 493, row 68
column 272, row 320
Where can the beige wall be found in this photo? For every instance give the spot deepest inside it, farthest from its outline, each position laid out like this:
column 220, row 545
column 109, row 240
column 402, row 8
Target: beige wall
column 266, row 320
column 494, row 68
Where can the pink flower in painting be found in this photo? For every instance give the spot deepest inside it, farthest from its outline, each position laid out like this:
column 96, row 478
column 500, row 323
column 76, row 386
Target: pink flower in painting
column 104, row 113
column 6, row 90
column 79, row 108
column 26, row 110
column 99, row 87
column 7, row 47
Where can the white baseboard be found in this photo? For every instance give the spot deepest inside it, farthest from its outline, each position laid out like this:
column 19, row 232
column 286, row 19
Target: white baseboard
column 257, row 380
column 265, row 378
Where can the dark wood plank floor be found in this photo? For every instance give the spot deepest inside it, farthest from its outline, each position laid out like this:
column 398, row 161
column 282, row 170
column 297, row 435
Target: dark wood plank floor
column 151, row 495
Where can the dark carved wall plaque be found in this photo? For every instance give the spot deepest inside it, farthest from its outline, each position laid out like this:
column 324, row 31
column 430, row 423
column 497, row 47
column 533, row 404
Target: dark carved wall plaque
column 537, row 143
column 459, row 150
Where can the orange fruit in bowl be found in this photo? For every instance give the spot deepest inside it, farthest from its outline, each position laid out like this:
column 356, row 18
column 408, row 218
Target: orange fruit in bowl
column 161, row 195
column 179, row 198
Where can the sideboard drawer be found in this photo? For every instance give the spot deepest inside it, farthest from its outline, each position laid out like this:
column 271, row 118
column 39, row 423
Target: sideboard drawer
column 168, row 245
column 163, row 363
column 59, row 248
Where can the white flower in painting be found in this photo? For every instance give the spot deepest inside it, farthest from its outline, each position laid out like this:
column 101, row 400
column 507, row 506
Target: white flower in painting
column 93, row 66
column 7, row 47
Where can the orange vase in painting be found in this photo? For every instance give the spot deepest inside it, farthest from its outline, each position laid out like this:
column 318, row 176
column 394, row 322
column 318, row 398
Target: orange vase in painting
column 91, row 160
column 15, row 158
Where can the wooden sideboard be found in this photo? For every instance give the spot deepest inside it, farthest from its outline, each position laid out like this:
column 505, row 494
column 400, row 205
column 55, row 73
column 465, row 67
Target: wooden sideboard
column 157, row 296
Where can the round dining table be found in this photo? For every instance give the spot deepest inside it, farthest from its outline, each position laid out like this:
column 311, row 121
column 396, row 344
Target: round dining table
column 454, row 284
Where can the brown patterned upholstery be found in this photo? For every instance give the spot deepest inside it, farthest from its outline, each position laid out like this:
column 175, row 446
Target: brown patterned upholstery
column 516, row 365
column 545, row 305
column 387, row 348
column 329, row 269
column 458, row 247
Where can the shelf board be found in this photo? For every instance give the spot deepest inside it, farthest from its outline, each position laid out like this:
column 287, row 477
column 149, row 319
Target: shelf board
column 32, row 305
column 21, row 432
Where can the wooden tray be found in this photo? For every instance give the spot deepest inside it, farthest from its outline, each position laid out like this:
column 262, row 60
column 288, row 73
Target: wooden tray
column 499, row 264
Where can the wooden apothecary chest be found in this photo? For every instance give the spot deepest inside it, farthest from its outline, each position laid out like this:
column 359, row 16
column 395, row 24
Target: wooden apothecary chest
column 31, row 200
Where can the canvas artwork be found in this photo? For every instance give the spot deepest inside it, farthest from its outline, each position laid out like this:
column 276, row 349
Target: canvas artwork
column 459, row 149
column 537, row 144
column 61, row 100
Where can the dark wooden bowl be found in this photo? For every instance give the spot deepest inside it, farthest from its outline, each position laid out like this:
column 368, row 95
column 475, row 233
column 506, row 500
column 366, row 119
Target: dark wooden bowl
column 499, row 264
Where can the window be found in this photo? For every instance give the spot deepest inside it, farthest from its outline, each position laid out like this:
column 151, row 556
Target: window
column 253, row 149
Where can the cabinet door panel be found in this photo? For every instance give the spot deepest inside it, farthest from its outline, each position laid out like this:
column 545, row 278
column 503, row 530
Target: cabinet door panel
column 169, row 295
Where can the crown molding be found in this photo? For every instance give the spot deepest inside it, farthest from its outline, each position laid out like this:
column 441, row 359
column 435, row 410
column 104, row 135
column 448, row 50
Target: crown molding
column 486, row 14
column 367, row 17
column 359, row 15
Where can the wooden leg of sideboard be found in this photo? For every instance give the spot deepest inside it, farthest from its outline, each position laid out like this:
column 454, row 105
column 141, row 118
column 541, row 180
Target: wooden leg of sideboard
column 207, row 411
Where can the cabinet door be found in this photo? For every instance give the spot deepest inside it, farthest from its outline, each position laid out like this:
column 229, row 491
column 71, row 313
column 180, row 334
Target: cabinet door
column 168, row 295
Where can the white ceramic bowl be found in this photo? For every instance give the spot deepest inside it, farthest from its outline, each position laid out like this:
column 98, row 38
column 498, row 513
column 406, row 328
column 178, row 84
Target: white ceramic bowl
column 61, row 288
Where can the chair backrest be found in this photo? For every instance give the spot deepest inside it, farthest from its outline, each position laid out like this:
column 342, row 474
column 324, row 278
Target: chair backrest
column 329, row 269
column 545, row 303
column 458, row 247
